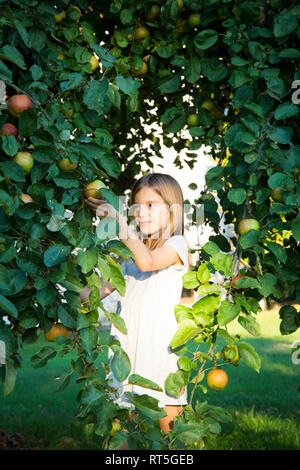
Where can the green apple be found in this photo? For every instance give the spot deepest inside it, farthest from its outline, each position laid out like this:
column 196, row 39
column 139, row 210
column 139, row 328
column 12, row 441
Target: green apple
column 247, row 224
column 25, row 160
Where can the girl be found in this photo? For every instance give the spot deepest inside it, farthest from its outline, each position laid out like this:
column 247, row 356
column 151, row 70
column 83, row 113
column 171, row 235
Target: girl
column 153, row 282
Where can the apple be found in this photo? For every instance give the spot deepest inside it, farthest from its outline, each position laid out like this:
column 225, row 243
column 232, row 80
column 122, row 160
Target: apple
column 192, row 120
column 140, row 71
column 194, row 20
column 67, row 109
column 25, row 160
column 180, row 4
column 247, row 224
column 9, row 129
column 60, row 16
column 93, row 189
column 154, row 12
column 57, row 329
column 141, row 33
column 277, row 194
column 17, row 104
column 74, row 12
column 94, row 62
column 208, row 105
column 65, row 164
column 217, row 379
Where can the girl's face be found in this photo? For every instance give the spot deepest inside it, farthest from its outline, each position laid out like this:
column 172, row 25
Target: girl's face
column 151, row 213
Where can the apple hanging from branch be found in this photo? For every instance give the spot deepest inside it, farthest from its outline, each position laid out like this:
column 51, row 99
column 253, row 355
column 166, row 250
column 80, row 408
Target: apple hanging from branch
column 17, row 104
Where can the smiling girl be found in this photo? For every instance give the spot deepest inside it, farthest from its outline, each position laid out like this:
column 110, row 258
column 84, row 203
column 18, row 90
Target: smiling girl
column 153, row 282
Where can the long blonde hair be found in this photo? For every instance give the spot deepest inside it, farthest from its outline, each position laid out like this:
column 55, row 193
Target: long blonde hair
column 170, row 191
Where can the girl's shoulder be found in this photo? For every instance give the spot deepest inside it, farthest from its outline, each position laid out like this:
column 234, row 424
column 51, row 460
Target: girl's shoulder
column 180, row 244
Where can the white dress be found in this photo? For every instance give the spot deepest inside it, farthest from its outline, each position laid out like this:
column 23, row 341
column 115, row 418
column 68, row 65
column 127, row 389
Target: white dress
column 148, row 311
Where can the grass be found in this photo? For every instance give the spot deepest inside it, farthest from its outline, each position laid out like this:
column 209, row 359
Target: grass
column 264, row 406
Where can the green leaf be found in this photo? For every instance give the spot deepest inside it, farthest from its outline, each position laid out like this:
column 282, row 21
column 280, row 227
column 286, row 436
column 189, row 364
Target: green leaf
column 120, row 365
column 88, row 259
column 295, row 226
column 46, row 296
column 193, row 70
column 63, row 381
column 205, row 39
column 249, row 239
column 246, row 283
column 203, row 273
column 74, row 79
column 278, row 250
column 13, row 170
column 237, row 195
column 66, row 318
column 116, row 277
column 213, row 69
column 286, row 110
column 129, row 86
column 185, row 363
column 89, row 339
column 36, row 72
column 209, row 289
column 117, row 321
column 268, row 282
column 249, row 356
column 289, row 319
column 207, row 304
column 190, row 280
column 283, row 135
column 12, row 281
column 126, row 16
column 255, row 109
column 56, row 254
column 182, row 313
column 203, row 319
column 5, row 72
column 27, row 123
column 187, row 330
column 113, row 95
column 239, row 78
column 211, row 248
column 213, row 177
column 148, row 406
column 222, row 263
column 190, row 432
column 10, row 377
column 41, row 358
column 169, row 83
column 95, row 96
column 136, row 379
column 13, row 55
column 8, row 307
column 9, row 145
column 175, row 382
column 284, row 25
column 250, row 324
column 227, row 312
column 117, row 440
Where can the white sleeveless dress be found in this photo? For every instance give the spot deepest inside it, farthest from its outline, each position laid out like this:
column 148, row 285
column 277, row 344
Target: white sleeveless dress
column 148, row 311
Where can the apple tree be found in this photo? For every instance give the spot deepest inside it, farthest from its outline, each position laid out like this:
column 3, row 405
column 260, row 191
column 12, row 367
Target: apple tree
column 83, row 86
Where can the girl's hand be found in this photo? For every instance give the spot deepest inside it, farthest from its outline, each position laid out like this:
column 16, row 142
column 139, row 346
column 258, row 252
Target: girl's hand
column 102, row 208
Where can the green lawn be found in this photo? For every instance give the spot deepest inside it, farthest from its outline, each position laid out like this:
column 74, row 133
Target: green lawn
column 265, row 406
